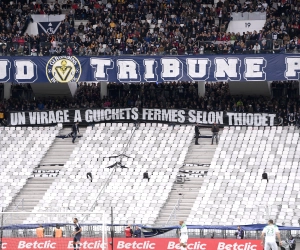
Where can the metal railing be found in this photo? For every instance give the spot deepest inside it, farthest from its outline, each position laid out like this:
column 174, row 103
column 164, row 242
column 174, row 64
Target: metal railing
column 20, row 203
column 17, row 207
column 173, row 215
column 89, row 231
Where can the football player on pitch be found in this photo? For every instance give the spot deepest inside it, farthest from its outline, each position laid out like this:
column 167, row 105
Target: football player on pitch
column 183, row 235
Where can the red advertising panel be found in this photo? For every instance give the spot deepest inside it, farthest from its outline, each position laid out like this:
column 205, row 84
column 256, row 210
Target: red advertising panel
column 130, row 244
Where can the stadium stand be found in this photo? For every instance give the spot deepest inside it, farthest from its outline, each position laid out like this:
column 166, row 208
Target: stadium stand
column 42, row 175
column 21, row 151
column 168, row 27
column 233, row 190
column 161, row 151
column 283, row 100
column 211, row 184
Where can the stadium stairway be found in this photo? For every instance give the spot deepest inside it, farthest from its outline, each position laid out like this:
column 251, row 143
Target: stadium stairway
column 42, row 176
column 189, row 181
column 59, row 151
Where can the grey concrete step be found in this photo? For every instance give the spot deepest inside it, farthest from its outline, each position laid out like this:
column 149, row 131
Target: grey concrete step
column 35, row 187
column 202, row 153
column 182, row 210
column 189, row 190
column 40, row 181
column 62, row 145
column 34, row 191
column 49, row 167
column 28, row 195
column 61, row 149
column 182, row 206
column 196, row 168
column 173, row 201
column 59, row 152
column 54, row 157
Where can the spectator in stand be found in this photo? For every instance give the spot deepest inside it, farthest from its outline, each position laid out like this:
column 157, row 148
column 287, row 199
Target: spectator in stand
column 197, row 132
column 297, row 118
column 276, row 47
column 81, row 28
column 75, row 130
column 34, row 50
column 256, row 48
column 291, row 119
column 146, row 176
column 284, row 101
column 1, row 116
column 156, row 28
column 45, row 51
column 69, row 51
column 215, row 133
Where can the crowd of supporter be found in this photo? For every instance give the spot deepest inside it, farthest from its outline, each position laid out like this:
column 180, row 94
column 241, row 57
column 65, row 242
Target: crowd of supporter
column 284, row 101
column 149, row 27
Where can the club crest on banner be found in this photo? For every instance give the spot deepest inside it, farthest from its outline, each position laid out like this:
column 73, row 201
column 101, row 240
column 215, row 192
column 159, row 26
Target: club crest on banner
column 63, row 69
column 49, row 28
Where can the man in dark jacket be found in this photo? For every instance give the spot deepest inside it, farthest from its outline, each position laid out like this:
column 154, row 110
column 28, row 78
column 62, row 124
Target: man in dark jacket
column 240, row 233
column 75, row 129
column 137, row 232
column 197, row 132
column 265, row 176
column 215, row 130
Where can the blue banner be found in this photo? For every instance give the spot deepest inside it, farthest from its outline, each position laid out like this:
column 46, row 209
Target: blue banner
column 49, row 28
column 63, row 69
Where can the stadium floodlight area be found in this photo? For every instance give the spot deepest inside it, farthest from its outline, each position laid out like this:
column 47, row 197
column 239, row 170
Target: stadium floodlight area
column 94, row 235
column 234, row 191
column 21, row 151
column 157, row 148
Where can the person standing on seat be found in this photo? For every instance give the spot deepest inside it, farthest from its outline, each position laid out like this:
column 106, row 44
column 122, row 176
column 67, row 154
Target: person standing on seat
column 197, row 132
column 268, row 236
column 75, row 129
column 215, row 130
column 40, row 232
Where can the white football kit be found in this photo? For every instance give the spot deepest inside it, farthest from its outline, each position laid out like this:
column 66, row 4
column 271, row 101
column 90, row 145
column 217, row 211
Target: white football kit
column 183, row 234
column 270, row 232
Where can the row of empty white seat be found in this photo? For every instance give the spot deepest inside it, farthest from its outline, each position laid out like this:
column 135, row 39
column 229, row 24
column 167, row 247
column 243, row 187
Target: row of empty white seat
column 158, row 149
column 234, row 192
column 21, row 151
